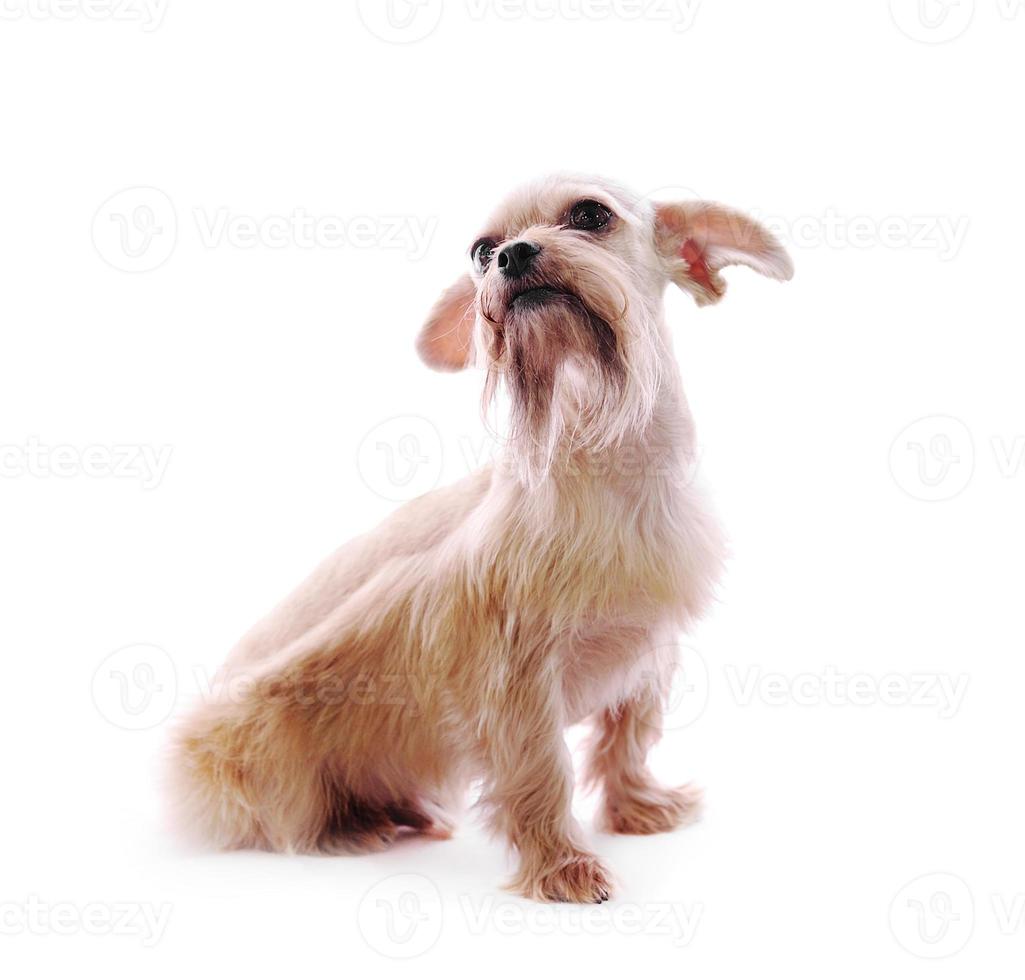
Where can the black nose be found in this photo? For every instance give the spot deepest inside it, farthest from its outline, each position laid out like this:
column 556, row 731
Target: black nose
column 516, row 258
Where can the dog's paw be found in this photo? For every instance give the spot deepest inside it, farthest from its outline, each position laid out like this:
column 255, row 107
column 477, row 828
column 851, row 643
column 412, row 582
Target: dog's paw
column 653, row 810
column 580, row 879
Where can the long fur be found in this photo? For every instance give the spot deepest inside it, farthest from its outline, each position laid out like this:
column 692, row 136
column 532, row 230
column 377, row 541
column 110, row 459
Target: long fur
column 458, row 639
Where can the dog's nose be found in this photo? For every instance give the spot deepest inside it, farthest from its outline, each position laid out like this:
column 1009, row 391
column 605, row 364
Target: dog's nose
column 516, row 258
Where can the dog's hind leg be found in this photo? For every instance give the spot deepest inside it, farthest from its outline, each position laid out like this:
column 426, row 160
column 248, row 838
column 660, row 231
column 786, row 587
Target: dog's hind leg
column 633, row 801
column 354, row 824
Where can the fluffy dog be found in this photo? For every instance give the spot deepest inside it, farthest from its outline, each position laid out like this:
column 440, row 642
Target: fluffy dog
column 459, row 639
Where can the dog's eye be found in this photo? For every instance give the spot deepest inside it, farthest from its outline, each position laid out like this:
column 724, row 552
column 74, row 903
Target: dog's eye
column 589, row 216
column 482, row 252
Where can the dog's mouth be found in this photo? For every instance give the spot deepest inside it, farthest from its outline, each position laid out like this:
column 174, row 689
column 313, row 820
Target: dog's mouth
column 535, row 296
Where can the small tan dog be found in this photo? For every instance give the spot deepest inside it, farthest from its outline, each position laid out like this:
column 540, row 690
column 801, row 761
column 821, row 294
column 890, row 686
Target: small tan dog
column 459, row 639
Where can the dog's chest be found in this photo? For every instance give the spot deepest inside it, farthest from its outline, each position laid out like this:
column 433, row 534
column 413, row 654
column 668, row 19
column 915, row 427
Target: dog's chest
column 608, row 664
column 661, row 560
column 650, row 552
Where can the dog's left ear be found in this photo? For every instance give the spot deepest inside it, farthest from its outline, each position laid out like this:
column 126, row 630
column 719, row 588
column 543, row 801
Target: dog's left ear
column 698, row 238
column 446, row 338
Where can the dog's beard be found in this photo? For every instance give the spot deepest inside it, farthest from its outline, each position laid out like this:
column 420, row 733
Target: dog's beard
column 562, row 364
column 579, row 349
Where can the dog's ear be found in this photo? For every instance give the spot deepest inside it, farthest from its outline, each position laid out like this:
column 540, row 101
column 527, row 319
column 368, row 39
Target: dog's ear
column 445, row 339
column 698, row 238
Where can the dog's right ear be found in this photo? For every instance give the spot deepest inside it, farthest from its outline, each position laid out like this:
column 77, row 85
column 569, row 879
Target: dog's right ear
column 445, row 340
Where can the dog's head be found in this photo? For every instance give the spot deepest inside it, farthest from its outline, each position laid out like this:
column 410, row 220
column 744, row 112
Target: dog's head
column 563, row 301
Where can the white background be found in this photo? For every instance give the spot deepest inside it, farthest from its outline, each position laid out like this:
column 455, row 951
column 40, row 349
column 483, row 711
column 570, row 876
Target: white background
column 183, row 409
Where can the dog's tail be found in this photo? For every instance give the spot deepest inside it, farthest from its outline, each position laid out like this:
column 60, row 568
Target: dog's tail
column 208, row 781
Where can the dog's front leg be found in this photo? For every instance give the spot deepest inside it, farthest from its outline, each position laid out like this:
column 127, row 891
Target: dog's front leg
column 529, row 791
column 633, row 801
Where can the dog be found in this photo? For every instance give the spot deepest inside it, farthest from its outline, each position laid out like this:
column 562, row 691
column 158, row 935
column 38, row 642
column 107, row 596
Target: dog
column 459, row 639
